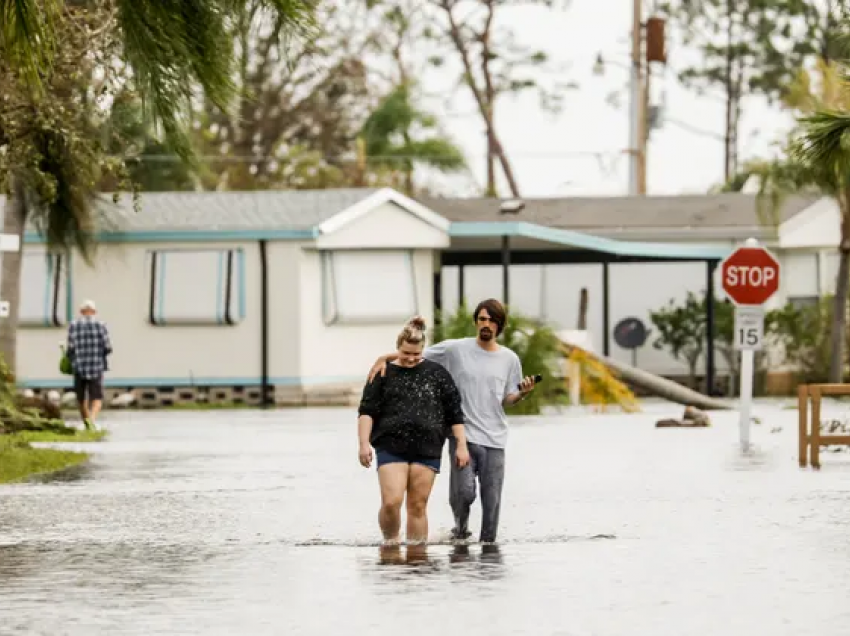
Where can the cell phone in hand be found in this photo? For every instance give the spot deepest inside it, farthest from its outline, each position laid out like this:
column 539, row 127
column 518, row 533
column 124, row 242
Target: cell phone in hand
column 537, row 380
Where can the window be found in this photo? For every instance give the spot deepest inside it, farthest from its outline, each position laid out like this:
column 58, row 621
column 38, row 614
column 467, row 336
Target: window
column 802, row 302
column 800, row 274
column 196, row 287
column 368, row 286
column 45, row 294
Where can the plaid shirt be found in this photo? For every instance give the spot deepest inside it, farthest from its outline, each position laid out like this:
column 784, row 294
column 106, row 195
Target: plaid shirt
column 88, row 346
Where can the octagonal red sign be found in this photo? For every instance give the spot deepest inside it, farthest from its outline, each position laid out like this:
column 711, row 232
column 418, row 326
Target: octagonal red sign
column 750, row 275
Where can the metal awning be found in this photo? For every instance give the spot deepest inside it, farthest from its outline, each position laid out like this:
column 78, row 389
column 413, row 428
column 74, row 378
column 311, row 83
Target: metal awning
column 578, row 240
column 529, row 243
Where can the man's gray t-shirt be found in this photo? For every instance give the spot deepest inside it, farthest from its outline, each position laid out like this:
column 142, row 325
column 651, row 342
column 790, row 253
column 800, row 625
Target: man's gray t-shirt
column 485, row 379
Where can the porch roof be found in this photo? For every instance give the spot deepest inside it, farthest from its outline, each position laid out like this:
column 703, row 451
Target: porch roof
column 549, row 237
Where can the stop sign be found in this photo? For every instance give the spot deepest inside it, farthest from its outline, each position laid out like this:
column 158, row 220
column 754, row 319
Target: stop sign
column 750, row 275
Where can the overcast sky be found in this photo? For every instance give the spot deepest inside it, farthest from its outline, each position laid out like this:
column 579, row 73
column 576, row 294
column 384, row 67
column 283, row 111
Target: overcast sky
column 580, row 150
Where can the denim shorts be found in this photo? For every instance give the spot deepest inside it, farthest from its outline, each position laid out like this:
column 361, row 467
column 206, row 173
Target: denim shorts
column 385, row 457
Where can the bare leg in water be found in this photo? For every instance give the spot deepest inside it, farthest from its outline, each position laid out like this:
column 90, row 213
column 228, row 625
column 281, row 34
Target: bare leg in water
column 419, row 485
column 393, row 479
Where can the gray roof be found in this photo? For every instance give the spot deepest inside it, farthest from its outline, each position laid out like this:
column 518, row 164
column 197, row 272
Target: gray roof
column 721, row 215
column 610, row 215
column 210, row 211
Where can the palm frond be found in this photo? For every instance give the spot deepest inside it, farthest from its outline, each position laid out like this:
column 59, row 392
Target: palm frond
column 27, row 39
column 170, row 44
column 817, row 161
column 776, row 180
column 166, row 44
column 824, row 144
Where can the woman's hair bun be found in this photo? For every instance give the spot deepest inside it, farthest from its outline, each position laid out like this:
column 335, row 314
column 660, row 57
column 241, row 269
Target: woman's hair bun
column 417, row 322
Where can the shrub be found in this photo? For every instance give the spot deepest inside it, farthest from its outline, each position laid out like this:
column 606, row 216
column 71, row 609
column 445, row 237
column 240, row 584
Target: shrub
column 804, row 334
column 536, row 344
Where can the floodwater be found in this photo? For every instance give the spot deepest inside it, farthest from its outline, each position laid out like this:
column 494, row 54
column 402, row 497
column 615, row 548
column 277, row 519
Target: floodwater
column 230, row 523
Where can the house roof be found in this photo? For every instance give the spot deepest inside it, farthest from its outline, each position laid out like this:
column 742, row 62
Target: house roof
column 306, row 209
column 727, row 216
column 230, row 211
column 583, row 223
column 289, row 213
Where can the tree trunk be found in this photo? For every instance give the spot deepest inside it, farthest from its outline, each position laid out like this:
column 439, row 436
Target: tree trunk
column 480, row 100
column 656, row 385
column 839, row 313
column 491, row 171
column 409, row 188
column 730, row 91
column 582, row 310
column 14, row 216
column 489, row 95
column 692, row 372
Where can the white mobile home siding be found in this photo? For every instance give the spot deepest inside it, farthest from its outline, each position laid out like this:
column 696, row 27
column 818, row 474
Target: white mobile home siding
column 551, row 292
column 176, row 353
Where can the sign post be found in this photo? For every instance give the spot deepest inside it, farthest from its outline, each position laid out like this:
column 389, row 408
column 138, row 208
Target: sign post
column 750, row 276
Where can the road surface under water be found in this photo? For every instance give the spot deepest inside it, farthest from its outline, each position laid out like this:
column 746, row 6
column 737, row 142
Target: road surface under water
column 225, row 523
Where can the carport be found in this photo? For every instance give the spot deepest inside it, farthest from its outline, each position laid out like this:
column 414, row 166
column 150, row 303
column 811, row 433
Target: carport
column 521, row 243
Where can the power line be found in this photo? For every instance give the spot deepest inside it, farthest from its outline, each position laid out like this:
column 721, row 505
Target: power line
column 718, row 97
column 695, row 130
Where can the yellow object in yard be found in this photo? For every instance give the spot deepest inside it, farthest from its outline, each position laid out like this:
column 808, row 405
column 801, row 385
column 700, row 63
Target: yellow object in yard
column 599, row 386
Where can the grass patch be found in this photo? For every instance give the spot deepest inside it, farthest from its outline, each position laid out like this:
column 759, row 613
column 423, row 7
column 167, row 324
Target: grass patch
column 51, row 436
column 20, row 461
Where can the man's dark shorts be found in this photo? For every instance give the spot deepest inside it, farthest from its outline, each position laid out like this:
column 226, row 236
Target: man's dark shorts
column 91, row 386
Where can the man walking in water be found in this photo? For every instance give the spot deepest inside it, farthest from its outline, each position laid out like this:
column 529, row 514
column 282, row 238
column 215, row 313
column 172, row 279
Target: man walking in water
column 489, row 377
column 88, row 348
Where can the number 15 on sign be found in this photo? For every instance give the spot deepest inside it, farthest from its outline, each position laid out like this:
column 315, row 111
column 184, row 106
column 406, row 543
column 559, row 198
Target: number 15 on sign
column 749, row 328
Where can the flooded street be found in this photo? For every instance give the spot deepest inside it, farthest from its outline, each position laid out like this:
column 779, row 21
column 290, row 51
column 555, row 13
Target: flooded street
column 226, row 523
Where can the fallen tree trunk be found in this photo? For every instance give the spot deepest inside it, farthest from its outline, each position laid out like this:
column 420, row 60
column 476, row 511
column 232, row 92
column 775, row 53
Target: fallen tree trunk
column 658, row 386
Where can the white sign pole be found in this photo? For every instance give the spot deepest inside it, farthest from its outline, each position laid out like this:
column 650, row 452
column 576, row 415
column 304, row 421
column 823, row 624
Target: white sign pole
column 747, row 372
column 749, row 338
column 749, row 330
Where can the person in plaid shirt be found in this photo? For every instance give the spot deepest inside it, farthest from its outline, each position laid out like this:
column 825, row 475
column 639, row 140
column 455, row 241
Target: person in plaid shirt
column 88, row 348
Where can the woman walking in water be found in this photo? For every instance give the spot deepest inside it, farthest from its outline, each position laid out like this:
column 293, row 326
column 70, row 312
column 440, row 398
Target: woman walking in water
column 406, row 416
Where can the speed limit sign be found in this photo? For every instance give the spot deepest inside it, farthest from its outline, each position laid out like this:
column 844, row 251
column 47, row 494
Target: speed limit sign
column 749, row 327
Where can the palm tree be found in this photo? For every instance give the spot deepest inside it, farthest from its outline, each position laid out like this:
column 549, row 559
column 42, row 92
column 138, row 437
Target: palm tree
column 58, row 58
column 397, row 136
column 817, row 160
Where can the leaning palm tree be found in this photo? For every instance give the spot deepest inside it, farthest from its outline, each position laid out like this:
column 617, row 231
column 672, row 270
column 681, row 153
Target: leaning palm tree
column 824, row 149
column 59, row 59
column 816, row 161
column 815, row 166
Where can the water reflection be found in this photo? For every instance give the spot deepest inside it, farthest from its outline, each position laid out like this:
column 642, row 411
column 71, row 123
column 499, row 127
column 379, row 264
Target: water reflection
column 460, row 554
column 416, row 556
column 480, row 562
column 423, row 555
column 80, row 472
column 117, row 568
column 404, row 564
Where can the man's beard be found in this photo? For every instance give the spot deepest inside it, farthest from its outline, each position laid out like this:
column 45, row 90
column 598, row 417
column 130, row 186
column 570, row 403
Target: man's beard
column 485, row 334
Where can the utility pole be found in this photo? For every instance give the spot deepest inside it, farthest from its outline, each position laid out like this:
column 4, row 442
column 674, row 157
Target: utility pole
column 637, row 124
column 651, row 34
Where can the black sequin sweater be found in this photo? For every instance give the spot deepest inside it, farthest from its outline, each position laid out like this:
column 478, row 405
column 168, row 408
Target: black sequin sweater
column 412, row 409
